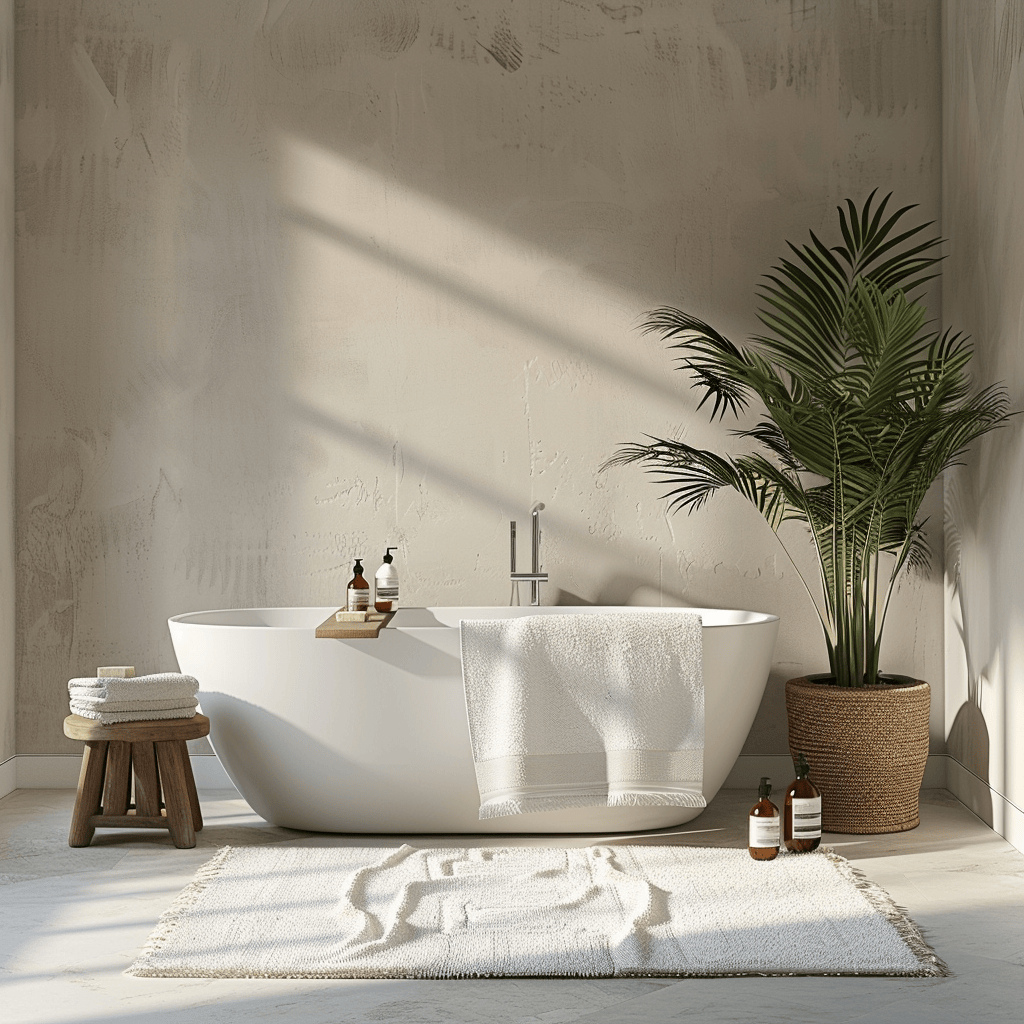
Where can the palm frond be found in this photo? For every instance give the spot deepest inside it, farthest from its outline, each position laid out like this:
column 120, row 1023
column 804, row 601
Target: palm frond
column 863, row 406
column 716, row 364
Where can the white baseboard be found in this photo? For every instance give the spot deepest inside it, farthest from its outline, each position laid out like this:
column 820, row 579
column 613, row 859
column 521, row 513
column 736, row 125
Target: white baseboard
column 60, row 771
column 48, row 771
column 992, row 807
column 8, row 777
column 747, row 772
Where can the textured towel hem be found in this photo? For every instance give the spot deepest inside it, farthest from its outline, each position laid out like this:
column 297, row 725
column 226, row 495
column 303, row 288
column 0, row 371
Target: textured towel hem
column 503, row 807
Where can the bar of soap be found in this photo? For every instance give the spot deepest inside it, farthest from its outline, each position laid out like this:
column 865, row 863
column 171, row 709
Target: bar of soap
column 350, row 616
column 116, row 672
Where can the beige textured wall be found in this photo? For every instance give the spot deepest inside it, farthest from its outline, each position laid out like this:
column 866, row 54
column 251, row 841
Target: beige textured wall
column 7, row 621
column 983, row 217
column 299, row 280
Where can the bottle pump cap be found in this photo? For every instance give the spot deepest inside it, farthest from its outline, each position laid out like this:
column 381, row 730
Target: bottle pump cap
column 765, row 789
column 802, row 767
column 358, row 567
column 387, row 554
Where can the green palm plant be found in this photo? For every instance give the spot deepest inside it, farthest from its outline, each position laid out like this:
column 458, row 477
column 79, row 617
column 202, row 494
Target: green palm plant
column 864, row 406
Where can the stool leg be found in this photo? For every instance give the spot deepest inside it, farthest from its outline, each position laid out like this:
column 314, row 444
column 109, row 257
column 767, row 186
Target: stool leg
column 118, row 786
column 190, row 785
column 87, row 801
column 147, row 782
column 176, row 799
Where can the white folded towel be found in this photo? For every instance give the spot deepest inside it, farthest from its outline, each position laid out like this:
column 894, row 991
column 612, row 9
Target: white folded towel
column 603, row 709
column 115, row 717
column 161, row 686
column 101, row 704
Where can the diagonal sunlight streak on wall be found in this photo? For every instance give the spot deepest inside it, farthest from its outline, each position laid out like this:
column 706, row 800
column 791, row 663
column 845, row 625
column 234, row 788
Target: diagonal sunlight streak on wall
column 464, row 259
column 547, row 334
column 443, row 375
column 508, row 500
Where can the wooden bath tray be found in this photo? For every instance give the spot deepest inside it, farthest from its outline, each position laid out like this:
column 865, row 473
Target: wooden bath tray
column 331, row 629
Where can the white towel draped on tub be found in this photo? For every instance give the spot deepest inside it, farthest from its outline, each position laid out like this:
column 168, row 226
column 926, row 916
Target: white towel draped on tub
column 585, row 710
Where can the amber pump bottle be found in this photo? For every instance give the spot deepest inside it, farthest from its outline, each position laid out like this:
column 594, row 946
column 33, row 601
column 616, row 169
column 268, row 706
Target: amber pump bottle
column 358, row 589
column 801, row 823
column 764, row 825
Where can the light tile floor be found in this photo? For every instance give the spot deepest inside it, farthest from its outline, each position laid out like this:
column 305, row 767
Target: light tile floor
column 72, row 920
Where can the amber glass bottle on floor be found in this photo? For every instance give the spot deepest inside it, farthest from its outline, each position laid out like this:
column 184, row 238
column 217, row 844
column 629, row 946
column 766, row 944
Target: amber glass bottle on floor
column 801, row 827
column 763, row 843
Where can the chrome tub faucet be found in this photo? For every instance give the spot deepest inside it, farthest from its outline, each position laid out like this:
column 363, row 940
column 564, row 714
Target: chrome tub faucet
column 534, row 576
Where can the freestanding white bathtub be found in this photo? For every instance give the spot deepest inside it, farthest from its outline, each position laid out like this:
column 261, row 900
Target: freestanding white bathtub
column 372, row 735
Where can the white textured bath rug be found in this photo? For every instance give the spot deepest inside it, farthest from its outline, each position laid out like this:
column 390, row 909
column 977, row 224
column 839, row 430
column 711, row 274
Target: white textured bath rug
column 598, row 912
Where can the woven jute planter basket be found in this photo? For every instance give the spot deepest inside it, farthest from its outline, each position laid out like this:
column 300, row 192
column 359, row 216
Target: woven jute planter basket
column 867, row 748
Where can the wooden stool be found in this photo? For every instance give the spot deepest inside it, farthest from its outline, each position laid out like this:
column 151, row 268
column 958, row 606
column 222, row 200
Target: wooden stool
column 157, row 752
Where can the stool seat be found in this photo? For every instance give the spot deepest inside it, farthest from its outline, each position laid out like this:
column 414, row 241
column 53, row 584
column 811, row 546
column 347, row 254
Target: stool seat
column 78, row 728
column 155, row 753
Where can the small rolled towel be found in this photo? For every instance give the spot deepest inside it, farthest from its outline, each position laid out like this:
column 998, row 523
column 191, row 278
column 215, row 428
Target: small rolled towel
column 137, row 689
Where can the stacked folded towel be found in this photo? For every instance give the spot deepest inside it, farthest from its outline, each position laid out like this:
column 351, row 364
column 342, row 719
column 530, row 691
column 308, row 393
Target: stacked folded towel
column 109, row 700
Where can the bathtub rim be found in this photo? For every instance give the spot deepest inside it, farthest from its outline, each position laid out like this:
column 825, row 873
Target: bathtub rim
column 194, row 618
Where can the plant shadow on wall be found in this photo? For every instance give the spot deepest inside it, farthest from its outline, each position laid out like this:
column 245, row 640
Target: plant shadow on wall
column 864, row 406
column 968, row 740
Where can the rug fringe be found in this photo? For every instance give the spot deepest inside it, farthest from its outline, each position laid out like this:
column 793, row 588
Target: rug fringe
column 932, row 966
column 184, row 901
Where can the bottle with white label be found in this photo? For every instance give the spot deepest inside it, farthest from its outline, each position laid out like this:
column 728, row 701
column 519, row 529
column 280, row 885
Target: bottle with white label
column 358, row 589
column 385, row 585
column 764, row 822
column 801, row 828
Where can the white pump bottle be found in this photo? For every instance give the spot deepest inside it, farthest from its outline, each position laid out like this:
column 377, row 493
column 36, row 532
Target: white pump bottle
column 385, row 584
